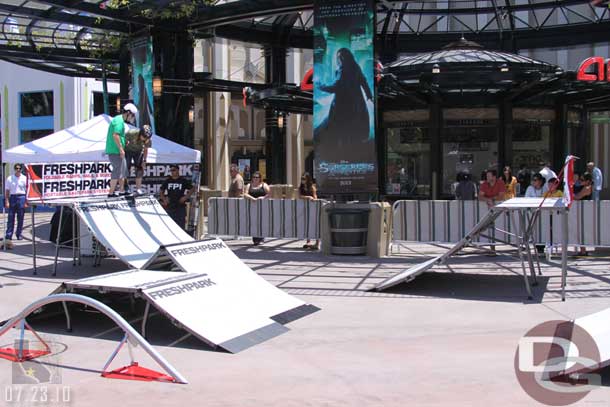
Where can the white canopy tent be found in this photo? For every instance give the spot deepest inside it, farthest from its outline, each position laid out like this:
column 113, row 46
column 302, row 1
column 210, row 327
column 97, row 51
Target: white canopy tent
column 87, row 141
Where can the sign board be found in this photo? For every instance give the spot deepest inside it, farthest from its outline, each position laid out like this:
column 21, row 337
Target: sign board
column 344, row 102
column 81, row 179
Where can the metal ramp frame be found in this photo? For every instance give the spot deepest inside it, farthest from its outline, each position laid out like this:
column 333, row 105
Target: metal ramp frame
column 528, row 212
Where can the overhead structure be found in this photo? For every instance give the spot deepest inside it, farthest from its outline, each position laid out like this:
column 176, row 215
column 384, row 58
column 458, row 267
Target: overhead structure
column 73, row 38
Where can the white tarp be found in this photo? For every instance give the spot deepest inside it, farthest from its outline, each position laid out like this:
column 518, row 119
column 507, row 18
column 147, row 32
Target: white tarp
column 133, row 230
column 202, row 303
column 87, row 142
column 224, row 267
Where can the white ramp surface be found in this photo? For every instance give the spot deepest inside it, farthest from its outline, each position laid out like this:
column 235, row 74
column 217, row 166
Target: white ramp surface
column 133, row 229
column 204, row 306
column 224, row 267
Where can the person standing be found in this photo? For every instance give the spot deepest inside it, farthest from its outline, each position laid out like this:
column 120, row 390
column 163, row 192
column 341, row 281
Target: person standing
column 15, row 202
column 138, row 142
column 524, row 177
column 585, row 194
column 236, row 189
column 492, row 189
column 598, row 179
column 510, row 182
column 465, row 189
column 175, row 192
column 307, row 190
column 115, row 148
column 257, row 189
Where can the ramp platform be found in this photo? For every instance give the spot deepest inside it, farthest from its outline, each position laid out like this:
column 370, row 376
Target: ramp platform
column 133, row 229
column 523, row 214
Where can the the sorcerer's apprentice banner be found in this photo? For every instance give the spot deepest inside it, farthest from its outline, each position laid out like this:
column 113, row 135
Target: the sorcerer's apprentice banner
column 142, row 66
column 344, row 108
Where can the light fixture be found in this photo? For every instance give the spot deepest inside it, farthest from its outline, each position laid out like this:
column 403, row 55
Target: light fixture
column 157, row 86
column 503, row 68
column 118, row 104
column 191, row 115
column 280, row 121
column 436, row 68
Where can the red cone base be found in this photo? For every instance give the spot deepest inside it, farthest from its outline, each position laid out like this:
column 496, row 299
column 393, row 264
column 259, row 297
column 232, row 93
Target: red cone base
column 26, row 354
column 135, row 372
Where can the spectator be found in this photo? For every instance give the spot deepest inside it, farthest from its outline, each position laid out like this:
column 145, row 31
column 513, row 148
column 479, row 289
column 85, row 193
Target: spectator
column 115, row 148
column 598, row 179
column 236, row 189
column 257, row 189
column 137, row 143
column 553, row 190
column 492, row 189
column 577, row 184
column 524, row 177
column 510, row 182
column 15, row 202
column 536, row 189
column 585, row 194
column 548, row 174
column 175, row 192
column 465, row 190
column 307, row 190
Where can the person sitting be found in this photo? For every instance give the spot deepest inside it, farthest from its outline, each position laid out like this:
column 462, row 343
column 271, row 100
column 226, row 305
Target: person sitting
column 535, row 190
column 255, row 190
column 307, row 190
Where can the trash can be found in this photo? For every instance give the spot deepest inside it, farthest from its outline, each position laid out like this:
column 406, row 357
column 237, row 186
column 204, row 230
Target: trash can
column 348, row 231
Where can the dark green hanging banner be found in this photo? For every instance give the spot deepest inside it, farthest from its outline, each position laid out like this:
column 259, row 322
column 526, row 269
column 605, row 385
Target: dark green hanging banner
column 344, row 108
column 142, row 64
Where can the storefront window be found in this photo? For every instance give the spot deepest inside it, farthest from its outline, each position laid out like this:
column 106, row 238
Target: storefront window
column 531, row 145
column 470, row 147
column 408, row 162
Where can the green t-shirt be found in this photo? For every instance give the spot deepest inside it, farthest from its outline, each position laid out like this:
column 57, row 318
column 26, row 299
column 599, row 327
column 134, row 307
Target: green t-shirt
column 134, row 143
column 117, row 125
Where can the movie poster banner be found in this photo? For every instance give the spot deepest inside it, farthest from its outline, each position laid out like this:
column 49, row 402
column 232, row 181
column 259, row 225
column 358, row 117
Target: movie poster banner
column 142, row 77
column 344, row 108
column 74, row 180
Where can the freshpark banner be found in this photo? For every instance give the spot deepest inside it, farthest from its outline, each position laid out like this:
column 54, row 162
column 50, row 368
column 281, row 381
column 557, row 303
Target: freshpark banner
column 344, row 108
column 72, row 180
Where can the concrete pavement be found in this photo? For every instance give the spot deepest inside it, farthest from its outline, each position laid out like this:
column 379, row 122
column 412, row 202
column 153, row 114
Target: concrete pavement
column 447, row 338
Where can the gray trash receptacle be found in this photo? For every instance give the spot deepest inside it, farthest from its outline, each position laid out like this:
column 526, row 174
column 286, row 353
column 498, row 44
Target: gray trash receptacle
column 348, row 231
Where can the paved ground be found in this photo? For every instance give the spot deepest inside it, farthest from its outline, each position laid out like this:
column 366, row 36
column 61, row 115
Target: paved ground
column 448, row 338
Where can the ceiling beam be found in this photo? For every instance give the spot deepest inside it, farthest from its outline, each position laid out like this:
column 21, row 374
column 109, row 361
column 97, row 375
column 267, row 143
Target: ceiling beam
column 53, row 54
column 64, row 18
column 96, row 10
column 238, row 11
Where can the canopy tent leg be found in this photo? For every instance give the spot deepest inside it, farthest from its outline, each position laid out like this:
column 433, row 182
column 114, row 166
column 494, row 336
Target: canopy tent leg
column 32, row 210
column 521, row 248
column 58, row 239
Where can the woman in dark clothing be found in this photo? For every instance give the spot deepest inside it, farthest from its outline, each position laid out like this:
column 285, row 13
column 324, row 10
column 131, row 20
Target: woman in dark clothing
column 307, row 190
column 257, row 189
column 348, row 118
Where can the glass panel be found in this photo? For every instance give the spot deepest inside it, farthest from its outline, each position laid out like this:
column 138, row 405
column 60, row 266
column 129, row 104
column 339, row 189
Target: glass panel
column 408, row 171
column 470, row 150
column 37, row 104
column 531, row 148
column 98, row 103
column 30, row 135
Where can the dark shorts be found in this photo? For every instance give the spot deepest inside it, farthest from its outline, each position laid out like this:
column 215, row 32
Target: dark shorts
column 135, row 159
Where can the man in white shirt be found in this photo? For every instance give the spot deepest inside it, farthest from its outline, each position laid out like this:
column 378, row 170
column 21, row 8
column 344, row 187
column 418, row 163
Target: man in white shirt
column 14, row 201
column 598, row 179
